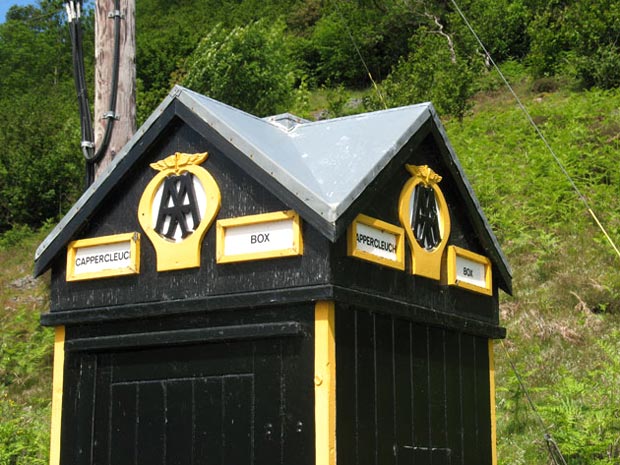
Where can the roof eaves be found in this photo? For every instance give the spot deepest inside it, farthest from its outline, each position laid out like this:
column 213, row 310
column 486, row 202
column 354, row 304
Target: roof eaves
column 480, row 222
column 87, row 202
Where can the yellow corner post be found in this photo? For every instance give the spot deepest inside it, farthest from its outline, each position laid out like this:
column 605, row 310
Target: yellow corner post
column 492, row 403
column 57, row 388
column 325, row 383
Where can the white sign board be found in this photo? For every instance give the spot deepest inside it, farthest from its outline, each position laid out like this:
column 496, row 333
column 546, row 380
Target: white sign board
column 377, row 241
column 469, row 270
column 103, row 257
column 257, row 237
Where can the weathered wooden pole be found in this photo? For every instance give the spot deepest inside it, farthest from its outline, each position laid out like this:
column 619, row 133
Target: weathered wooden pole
column 118, row 113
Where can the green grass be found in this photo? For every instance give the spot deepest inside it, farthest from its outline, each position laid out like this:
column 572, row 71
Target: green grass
column 566, row 303
column 25, row 354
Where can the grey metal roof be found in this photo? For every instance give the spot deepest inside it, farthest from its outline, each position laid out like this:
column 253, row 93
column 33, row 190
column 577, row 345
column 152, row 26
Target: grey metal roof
column 325, row 164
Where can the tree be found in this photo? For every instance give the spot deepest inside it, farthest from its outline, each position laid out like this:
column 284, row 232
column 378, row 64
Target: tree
column 34, row 49
column 433, row 71
column 40, row 161
column 578, row 39
column 248, row 67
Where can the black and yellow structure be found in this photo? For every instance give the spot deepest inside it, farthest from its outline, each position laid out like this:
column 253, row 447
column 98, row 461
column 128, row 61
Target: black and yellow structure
column 237, row 290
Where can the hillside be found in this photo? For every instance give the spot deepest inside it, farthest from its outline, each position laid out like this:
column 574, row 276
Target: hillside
column 562, row 321
column 25, row 354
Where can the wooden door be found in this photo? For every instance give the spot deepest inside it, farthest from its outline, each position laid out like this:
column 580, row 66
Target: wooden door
column 225, row 403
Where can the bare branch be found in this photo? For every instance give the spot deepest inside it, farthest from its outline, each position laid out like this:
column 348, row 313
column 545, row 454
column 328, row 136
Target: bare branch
column 441, row 32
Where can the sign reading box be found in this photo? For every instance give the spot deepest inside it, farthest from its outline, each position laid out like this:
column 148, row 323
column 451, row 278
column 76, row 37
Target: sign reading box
column 256, row 237
column 103, row 257
column 377, row 241
column 469, row 270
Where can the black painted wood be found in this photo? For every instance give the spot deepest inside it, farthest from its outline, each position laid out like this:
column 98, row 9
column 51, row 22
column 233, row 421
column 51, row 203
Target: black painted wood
column 80, row 220
column 353, row 273
column 83, row 420
column 284, row 280
column 187, row 309
column 366, row 384
column 241, row 196
column 215, row 364
column 223, row 399
column 409, row 393
column 188, row 336
column 297, row 401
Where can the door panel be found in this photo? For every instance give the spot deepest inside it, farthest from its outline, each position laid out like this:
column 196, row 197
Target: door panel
column 226, row 403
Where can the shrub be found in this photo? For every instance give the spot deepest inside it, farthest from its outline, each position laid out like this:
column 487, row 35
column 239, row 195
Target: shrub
column 430, row 73
column 545, row 85
column 579, row 38
column 602, row 68
column 41, row 165
column 248, row 67
column 585, row 424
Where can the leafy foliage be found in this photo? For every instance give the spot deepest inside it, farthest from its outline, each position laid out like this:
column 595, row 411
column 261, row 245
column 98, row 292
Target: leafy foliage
column 33, row 49
column 40, row 161
column 566, row 285
column 246, row 67
column 579, row 39
column 40, row 164
column 586, row 424
column 501, row 25
column 25, row 354
column 431, row 72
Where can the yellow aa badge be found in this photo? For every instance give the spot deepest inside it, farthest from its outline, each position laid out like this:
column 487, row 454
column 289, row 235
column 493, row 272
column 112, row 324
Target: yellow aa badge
column 424, row 214
column 177, row 208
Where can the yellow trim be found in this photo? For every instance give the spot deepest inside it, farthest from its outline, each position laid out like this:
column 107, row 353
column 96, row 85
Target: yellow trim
column 325, row 383
column 186, row 253
column 453, row 253
column 374, row 223
column 134, row 256
column 273, row 217
column 424, row 262
column 492, row 403
column 57, row 389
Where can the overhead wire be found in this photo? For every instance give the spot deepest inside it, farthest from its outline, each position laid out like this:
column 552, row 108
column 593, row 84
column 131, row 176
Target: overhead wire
column 359, row 54
column 73, row 16
column 557, row 160
column 523, row 108
column 552, row 447
column 39, row 17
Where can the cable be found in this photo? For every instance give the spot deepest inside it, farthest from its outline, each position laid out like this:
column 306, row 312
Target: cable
column 538, row 131
column 522, row 386
column 38, row 18
column 359, row 54
column 73, row 9
column 73, row 15
column 110, row 115
column 552, row 446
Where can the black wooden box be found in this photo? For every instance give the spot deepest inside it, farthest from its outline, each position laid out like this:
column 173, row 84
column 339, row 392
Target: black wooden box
column 237, row 290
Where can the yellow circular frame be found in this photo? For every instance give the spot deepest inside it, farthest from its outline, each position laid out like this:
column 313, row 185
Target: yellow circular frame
column 186, row 253
column 424, row 262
